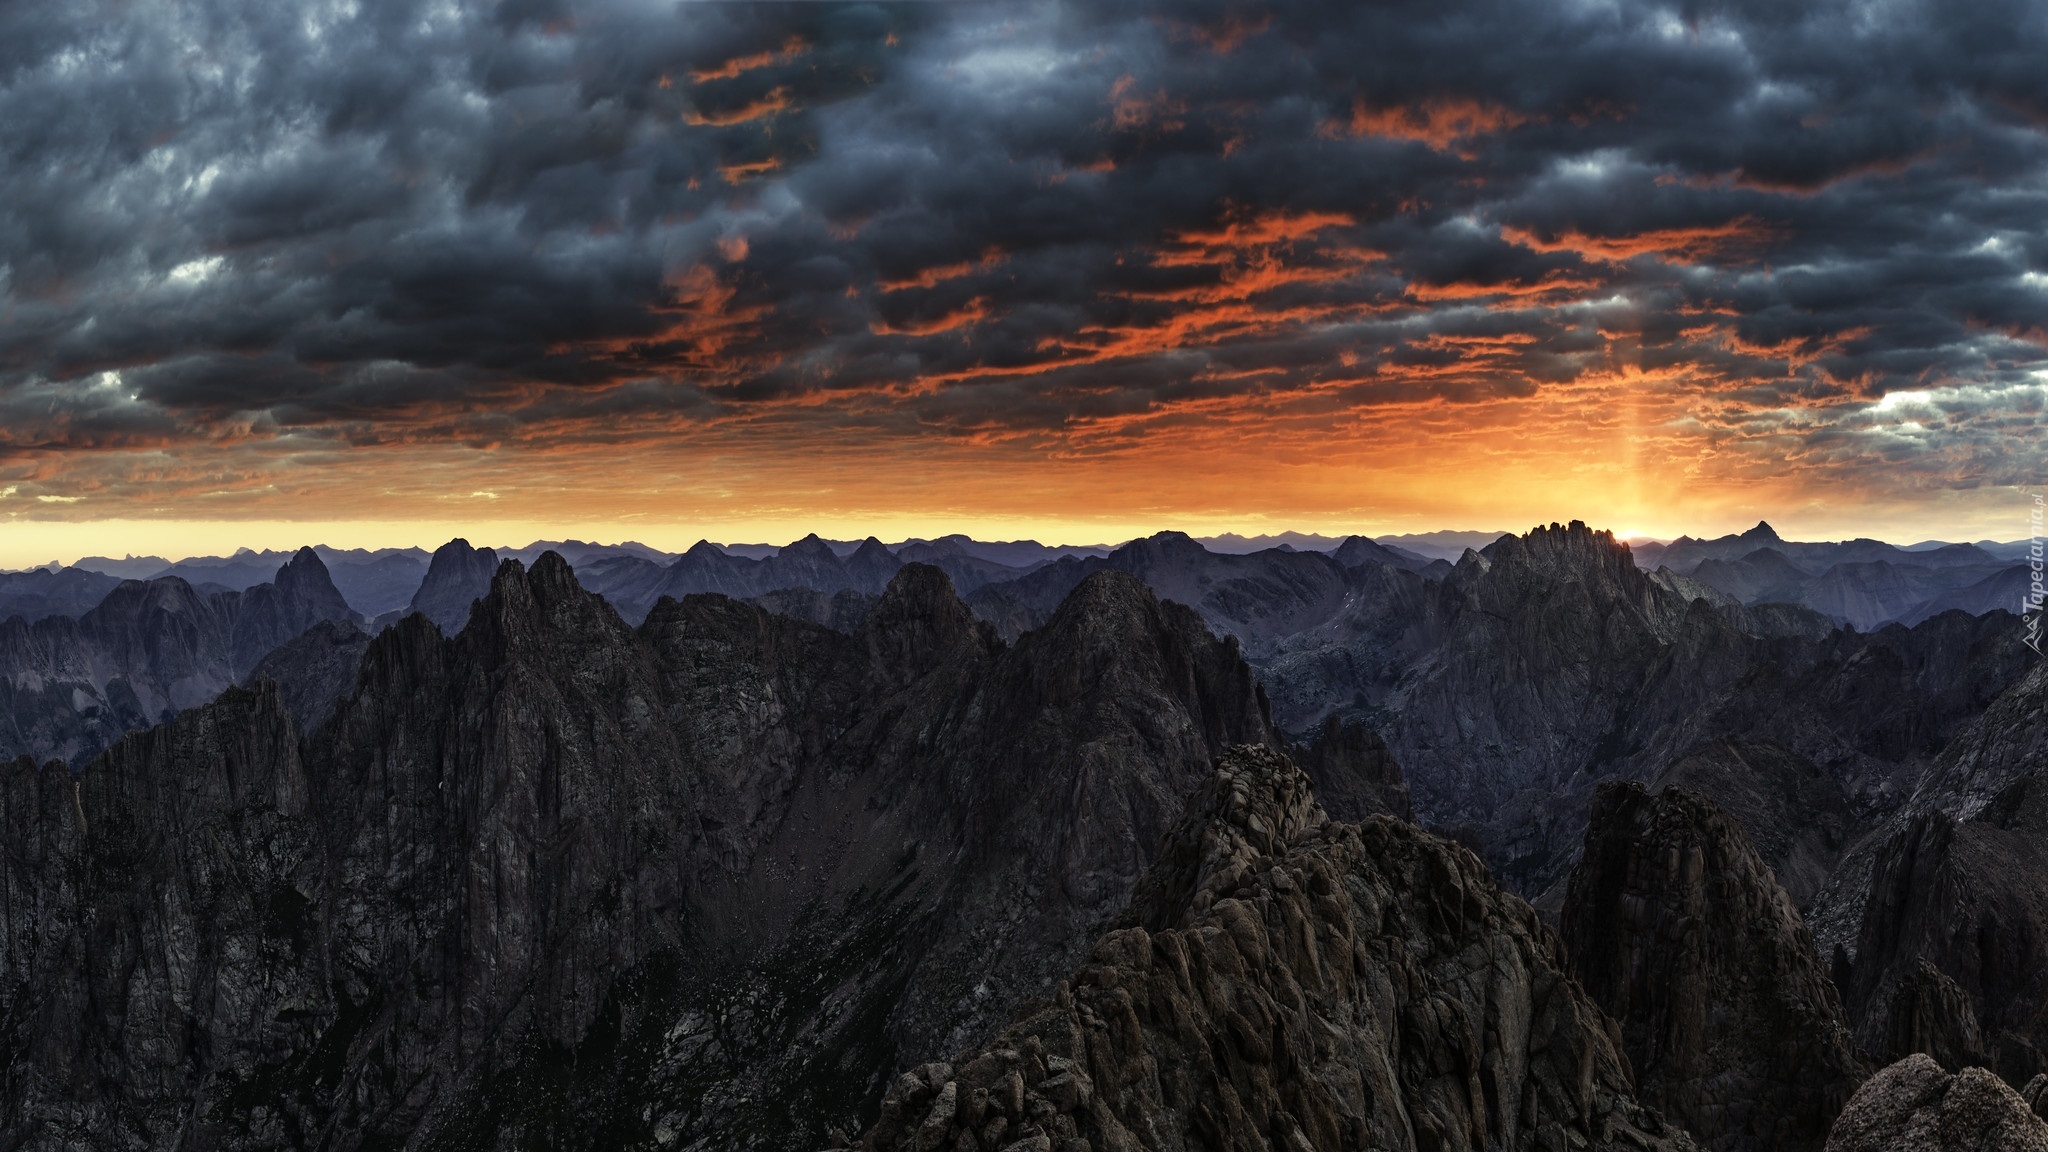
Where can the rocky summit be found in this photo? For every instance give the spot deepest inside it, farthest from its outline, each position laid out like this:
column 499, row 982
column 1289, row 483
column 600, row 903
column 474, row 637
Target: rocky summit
column 1285, row 981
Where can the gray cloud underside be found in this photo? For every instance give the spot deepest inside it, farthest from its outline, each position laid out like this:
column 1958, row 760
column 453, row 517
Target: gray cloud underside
column 355, row 222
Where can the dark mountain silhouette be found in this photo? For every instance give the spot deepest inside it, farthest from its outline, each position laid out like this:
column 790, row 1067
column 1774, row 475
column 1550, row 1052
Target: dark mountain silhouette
column 709, row 879
column 634, row 585
column 1259, row 598
column 2006, row 589
column 376, row 585
column 1759, row 577
column 1862, row 583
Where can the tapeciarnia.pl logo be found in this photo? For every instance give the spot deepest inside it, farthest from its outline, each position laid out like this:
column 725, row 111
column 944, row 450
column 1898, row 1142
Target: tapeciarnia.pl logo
column 2030, row 604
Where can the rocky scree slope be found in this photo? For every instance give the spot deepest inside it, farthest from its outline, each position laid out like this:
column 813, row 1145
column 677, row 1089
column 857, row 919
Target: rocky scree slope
column 1731, row 1023
column 558, row 881
column 1284, row 981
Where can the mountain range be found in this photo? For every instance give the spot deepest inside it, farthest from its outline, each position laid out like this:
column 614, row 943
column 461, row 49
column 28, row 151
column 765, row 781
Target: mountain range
column 1159, row 846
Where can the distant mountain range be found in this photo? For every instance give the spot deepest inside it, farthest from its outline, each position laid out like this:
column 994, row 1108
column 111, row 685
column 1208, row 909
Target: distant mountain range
column 1863, row 583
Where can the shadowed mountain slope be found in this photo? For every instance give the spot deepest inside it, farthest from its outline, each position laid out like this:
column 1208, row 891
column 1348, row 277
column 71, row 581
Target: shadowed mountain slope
column 558, row 879
column 1731, row 1023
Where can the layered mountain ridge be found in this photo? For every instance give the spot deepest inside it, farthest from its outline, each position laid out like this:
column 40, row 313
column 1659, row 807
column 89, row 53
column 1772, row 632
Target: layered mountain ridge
column 71, row 687
column 700, row 880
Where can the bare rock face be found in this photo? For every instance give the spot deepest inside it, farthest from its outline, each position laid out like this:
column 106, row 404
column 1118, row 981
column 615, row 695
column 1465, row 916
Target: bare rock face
column 314, row 670
column 1731, row 1023
column 1915, row 1106
column 1970, row 899
column 1285, row 981
column 1921, row 1010
column 1797, row 815
column 1959, row 884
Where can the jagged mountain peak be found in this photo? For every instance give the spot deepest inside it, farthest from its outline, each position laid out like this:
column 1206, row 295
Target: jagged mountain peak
column 1560, row 548
column 1252, row 805
column 1762, row 532
column 919, row 621
column 1285, row 981
column 457, row 575
column 1677, row 928
column 543, row 598
column 1110, row 608
column 811, row 547
column 306, row 579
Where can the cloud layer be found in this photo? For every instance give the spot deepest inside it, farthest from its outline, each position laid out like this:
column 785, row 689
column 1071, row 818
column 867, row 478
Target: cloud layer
column 261, row 258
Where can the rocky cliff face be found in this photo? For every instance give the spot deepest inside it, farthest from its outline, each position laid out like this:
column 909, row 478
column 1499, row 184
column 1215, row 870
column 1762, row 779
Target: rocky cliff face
column 1354, row 773
column 69, row 688
column 313, row 670
column 1914, row 1106
column 1677, row 929
column 1970, row 899
column 1286, row 981
column 557, row 880
column 1950, row 951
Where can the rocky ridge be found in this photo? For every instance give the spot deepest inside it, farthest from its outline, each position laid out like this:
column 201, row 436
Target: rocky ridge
column 559, row 879
column 1286, row 981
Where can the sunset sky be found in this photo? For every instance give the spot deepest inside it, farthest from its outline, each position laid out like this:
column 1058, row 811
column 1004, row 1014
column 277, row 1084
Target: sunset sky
column 377, row 272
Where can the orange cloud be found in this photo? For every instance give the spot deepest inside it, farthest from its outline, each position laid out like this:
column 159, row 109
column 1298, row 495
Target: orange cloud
column 974, row 313
column 736, row 173
column 1224, row 38
column 701, row 326
column 774, row 103
column 1686, row 245
column 1131, row 111
column 1441, row 122
column 932, row 277
column 1550, row 285
column 791, row 49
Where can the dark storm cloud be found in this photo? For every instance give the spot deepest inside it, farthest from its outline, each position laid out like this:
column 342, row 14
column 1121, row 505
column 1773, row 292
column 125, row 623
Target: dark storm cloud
column 559, row 221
